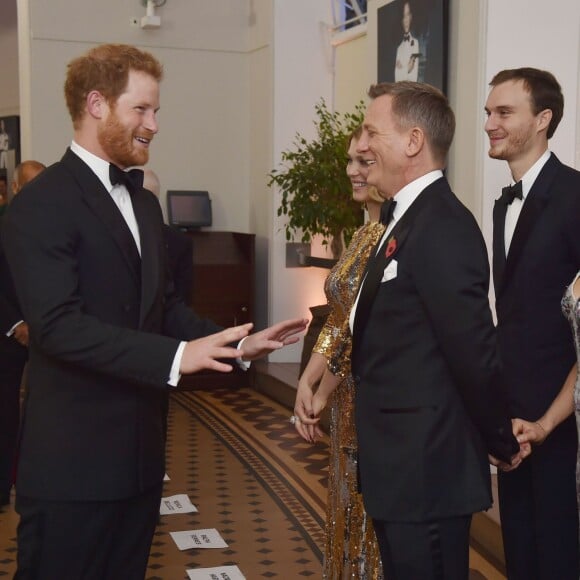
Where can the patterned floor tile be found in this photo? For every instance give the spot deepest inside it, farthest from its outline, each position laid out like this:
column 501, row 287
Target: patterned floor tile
column 250, row 476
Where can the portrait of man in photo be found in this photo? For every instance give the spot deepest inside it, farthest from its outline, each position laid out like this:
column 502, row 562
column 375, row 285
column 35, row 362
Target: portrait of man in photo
column 412, row 41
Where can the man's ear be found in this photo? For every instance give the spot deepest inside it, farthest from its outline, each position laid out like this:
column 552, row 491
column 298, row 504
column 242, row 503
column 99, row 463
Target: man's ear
column 97, row 105
column 543, row 119
column 416, row 141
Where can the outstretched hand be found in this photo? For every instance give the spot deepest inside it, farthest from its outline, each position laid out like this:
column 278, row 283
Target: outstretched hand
column 272, row 338
column 203, row 353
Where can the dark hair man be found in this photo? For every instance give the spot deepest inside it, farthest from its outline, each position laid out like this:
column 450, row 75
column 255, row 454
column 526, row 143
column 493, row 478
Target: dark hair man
column 536, row 254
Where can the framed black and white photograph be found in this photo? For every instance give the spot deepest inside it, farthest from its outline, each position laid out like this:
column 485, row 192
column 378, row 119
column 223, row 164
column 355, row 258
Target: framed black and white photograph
column 410, row 39
column 9, row 145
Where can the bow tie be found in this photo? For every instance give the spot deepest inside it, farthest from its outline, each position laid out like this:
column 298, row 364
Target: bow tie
column 509, row 193
column 387, row 210
column 132, row 180
column 406, row 37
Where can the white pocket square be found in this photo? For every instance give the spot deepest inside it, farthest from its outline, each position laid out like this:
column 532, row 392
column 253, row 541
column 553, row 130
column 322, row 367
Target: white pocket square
column 390, row 272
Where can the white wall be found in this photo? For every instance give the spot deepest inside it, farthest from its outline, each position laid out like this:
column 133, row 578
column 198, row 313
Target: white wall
column 204, row 117
column 260, row 146
column 9, row 93
column 465, row 87
column 352, row 73
column 302, row 75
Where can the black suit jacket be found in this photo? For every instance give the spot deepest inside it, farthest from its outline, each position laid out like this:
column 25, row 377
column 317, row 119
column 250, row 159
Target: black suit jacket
column 535, row 339
column 12, row 353
column 180, row 262
column 104, row 331
column 425, row 366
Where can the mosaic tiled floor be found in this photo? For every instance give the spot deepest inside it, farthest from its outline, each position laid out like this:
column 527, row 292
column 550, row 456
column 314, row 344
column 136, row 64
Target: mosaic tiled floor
column 251, row 477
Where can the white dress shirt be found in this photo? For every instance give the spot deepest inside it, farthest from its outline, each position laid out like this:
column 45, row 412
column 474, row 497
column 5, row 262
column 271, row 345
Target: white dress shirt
column 515, row 207
column 404, row 52
column 404, row 198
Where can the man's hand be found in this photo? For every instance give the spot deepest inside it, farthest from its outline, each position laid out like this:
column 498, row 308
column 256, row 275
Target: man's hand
column 202, row 353
column 272, row 338
column 515, row 461
column 21, row 334
column 502, row 465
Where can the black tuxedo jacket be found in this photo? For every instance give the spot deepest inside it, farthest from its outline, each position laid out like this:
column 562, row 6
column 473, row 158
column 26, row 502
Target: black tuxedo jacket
column 425, row 367
column 12, row 353
column 104, row 331
column 536, row 343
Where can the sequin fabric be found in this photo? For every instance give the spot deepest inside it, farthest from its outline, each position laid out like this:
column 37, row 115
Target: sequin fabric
column 571, row 309
column 351, row 549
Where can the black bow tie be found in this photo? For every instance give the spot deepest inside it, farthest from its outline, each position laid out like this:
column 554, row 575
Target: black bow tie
column 406, row 37
column 509, row 193
column 387, row 210
column 132, row 180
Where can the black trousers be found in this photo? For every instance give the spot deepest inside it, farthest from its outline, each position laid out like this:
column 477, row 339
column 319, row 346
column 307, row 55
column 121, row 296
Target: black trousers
column 12, row 361
column 437, row 550
column 86, row 540
column 539, row 512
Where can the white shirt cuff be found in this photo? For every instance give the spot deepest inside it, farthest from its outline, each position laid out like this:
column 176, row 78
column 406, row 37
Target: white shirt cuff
column 11, row 331
column 243, row 364
column 174, row 374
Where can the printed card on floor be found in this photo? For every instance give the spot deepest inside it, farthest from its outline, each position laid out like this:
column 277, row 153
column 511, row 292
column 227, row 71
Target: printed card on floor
column 176, row 504
column 193, row 539
column 219, row 573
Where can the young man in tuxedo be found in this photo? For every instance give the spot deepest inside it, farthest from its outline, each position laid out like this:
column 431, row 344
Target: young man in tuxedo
column 424, row 361
column 536, row 253
column 108, row 338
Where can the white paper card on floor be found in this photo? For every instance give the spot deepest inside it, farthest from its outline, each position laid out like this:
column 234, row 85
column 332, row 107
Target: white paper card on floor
column 193, row 539
column 219, row 573
column 166, row 477
column 176, row 504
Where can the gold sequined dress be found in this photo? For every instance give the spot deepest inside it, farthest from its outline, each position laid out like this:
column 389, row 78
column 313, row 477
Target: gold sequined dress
column 351, row 549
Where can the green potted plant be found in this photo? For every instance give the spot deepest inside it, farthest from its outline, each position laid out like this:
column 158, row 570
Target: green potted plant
column 317, row 195
column 316, row 192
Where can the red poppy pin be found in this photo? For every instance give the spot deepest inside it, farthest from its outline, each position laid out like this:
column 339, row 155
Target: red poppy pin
column 391, row 247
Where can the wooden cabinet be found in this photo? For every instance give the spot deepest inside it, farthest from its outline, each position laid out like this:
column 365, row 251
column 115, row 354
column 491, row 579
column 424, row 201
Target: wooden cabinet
column 223, row 290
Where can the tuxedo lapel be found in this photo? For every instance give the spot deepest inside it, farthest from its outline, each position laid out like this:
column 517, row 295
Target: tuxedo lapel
column 376, row 265
column 388, row 250
column 499, row 258
column 149, row 253
column 535, row 202
column 102, row 204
